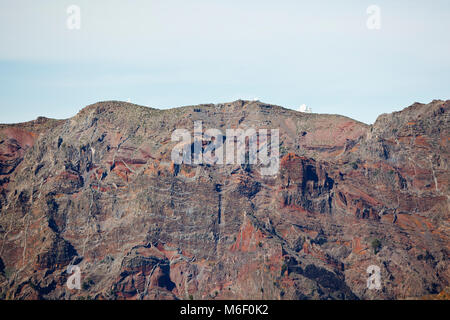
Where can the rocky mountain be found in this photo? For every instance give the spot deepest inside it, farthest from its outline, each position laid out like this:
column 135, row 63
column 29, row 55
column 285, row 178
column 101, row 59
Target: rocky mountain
column 101, row 192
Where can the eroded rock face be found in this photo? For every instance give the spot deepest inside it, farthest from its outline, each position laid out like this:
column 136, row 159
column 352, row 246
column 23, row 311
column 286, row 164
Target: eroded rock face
column 100, row 191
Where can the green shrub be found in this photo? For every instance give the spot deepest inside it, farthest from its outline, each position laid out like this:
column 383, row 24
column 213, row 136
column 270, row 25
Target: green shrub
column 376, row 245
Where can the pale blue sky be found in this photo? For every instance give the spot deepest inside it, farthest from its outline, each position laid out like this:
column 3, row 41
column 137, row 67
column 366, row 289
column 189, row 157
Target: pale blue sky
column 171, row 53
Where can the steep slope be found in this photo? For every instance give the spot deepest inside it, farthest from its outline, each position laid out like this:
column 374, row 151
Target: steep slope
column 100, row 191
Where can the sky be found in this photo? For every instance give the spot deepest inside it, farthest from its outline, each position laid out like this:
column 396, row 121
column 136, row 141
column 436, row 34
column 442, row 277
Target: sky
column 171, row 53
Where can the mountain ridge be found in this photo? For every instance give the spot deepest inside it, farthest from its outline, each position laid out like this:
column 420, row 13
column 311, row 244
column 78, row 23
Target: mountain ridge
column 99, row 190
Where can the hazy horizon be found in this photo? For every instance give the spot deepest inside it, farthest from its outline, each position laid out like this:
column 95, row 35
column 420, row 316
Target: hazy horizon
column 223, row 102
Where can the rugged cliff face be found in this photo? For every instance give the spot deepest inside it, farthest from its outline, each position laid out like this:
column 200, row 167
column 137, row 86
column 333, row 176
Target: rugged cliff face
column 100, row 191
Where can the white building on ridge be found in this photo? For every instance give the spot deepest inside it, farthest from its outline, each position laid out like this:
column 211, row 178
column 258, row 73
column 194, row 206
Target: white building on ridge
column 305, row 108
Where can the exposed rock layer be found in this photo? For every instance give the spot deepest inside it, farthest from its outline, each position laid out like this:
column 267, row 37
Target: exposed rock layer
column 99, row 190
